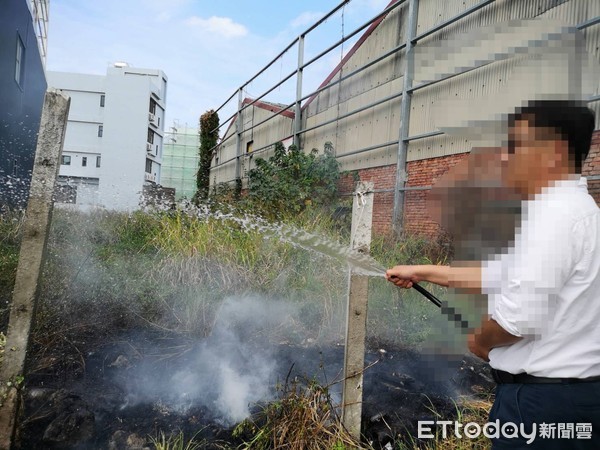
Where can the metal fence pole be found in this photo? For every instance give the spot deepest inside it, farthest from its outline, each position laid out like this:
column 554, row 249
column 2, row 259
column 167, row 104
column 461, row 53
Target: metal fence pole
column 239, row 128
column 298, row 108
column 401, row 174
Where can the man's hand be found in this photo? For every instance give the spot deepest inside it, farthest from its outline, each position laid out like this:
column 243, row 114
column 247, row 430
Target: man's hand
column 403, row 276
column 489, row 336
column 406, row 276
column 476, row 348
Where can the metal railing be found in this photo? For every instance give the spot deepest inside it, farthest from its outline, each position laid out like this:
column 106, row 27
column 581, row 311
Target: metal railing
column 408, row 89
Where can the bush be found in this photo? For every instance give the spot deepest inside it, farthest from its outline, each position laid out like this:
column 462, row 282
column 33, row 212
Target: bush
column 291, row 180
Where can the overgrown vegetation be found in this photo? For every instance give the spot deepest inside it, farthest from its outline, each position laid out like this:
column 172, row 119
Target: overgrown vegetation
column 209, row 135
column 173, row 269
column 170, row 271
column 291, row 180
column 304, row 418
column 468, row 410
column 11, row 227
column 176, row 441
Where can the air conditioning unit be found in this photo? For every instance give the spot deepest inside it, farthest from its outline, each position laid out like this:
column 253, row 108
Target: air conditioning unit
column 150, row 177
column 151, row 117
column 149, row 147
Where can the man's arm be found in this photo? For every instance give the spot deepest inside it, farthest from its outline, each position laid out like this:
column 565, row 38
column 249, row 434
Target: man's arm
column 465, row 277
column 489, row 336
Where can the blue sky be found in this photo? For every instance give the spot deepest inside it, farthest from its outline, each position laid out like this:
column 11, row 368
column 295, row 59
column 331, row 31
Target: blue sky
column 206, row 48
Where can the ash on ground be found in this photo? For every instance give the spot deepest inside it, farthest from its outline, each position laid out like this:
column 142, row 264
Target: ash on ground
column 85, row 399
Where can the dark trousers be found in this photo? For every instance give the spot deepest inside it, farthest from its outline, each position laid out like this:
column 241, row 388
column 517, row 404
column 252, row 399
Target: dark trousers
column 567, row 409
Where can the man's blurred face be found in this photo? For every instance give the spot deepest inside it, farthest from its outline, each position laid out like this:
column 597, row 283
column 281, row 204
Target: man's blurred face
column 532, row 156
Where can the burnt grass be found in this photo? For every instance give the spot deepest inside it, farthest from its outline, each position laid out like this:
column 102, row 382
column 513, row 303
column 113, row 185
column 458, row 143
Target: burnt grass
column 77, row 393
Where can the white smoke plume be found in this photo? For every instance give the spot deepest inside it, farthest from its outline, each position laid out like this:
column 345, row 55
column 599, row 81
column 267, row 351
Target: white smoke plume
column 227, row 373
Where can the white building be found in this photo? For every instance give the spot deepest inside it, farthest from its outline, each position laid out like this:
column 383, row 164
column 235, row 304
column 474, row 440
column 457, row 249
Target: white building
column 114, row 139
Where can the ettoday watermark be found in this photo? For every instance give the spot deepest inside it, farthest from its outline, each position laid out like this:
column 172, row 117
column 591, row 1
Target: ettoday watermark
column 427, row 430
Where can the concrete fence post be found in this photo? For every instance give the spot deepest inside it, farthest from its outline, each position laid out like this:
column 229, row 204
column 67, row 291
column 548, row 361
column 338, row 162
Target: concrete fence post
column 33, row 245
column 356, row 323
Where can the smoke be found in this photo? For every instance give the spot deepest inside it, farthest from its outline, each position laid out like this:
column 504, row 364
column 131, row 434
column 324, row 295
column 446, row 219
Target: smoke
column 226, row 373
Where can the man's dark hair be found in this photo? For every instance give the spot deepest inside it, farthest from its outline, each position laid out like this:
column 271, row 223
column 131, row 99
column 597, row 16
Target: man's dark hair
column 571, row 120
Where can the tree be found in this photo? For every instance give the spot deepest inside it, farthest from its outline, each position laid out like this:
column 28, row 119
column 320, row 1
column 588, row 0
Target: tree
column 209, row 135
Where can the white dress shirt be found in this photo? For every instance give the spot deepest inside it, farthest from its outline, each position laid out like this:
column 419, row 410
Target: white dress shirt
column 546, row 288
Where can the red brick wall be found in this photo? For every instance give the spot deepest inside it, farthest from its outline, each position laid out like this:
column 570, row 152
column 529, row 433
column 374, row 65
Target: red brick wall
column 592, row 166
column 420, row 173
column 425, row 173
column 383, row 177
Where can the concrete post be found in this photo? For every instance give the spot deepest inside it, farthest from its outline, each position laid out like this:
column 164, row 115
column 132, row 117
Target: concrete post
column 35, row 235
column 356, row 323
column 401, row 174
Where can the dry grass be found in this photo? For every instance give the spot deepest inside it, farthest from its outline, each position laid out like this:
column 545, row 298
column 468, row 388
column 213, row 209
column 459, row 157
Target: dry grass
column 304, row 418
column 2, row 345
column 468, row 410
column 176, row 441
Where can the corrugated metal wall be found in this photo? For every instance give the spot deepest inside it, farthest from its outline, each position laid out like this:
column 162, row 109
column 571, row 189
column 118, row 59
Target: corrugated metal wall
column 431, row 105
column 264, row 135
column 381, row 124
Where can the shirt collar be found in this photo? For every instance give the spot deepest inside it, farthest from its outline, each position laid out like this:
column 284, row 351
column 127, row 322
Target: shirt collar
column 563, row 185
column 559, row 187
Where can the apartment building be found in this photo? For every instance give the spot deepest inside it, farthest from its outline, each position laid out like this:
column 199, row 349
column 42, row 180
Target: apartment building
column 23, row 43
column 114, row 141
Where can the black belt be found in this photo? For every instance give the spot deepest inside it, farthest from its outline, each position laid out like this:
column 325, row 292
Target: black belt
column 502, row 377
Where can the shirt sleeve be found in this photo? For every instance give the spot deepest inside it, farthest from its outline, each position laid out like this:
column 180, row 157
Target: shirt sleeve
column 544, row 256
column 491, row 274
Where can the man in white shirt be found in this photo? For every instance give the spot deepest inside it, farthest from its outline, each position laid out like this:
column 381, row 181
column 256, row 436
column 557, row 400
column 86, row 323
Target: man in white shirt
column 542, row 337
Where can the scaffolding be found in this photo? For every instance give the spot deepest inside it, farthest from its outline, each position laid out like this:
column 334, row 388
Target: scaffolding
column 180, row 160
column 39, row 15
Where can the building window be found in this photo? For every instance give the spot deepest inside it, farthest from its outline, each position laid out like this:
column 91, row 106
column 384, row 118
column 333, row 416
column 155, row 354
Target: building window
column 15, row 168
column 98, row 158
column 20, row 61
column 102, row 100
column 150, row 136
column 152, row 106
column 100, row 130
column 249, row 146
column 84, row 161
column 148, row 166
column 66, row 160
